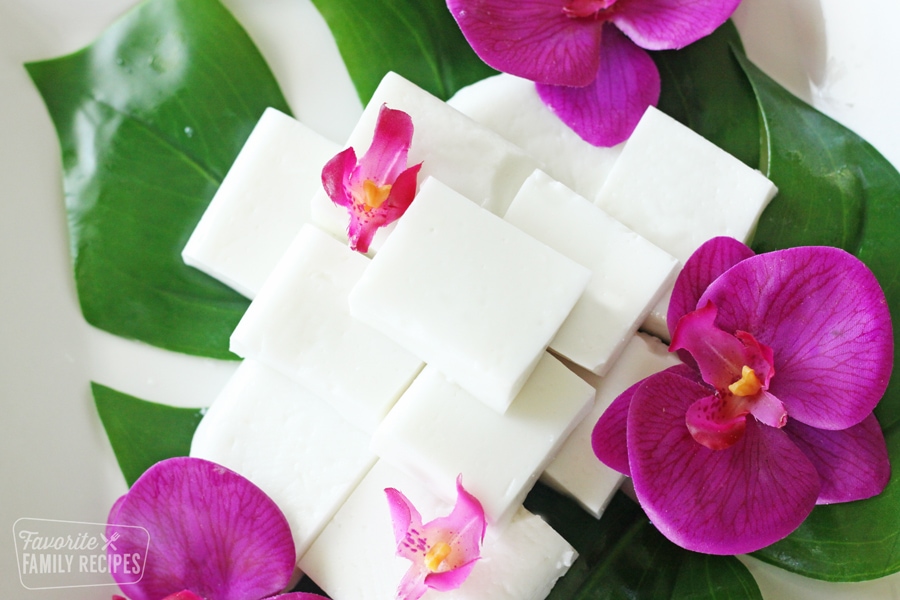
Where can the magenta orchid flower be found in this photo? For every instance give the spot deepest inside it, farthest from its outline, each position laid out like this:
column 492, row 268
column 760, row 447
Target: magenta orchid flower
column 443, row 551
column 785, row 356
column 377, row 189
column 214, row 535
column 588, row 56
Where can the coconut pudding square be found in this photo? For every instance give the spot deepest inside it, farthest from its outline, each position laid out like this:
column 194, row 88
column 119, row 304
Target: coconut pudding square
column 438, row 431
column 262, row 203
column 468, row 157
column 678, row 190
column 355, row 557
column 468, row 293
column 575, row 470
column 288, row 442
column 629, row 274
column 300, row 325
column 511, row 106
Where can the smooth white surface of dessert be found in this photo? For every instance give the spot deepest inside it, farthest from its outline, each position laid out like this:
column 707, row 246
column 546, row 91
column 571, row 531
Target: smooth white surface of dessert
column 262, row 203
column 300, row 325
column 438, row 431
column 288, row 442
column 628, row 273
column 468, row 293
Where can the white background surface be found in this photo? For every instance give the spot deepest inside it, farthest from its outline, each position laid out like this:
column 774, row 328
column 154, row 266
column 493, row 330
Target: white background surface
column 57, row 463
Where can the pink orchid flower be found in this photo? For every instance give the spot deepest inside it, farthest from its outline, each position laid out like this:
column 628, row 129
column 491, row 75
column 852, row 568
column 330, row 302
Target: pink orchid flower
column 214, row 535
column 786, row 355
column 377, row 189
column 587, row 56
column 443, row 551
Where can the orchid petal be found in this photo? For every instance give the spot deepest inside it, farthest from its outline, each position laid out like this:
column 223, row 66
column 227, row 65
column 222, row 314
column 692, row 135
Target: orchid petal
column 212, row 532
column 719, row 355
column 336, row 177
column 450, row 580
column 671, row 24
column 386, row 157
column 769, row 410
column 709, row 261
column 298, row 596
column 728, row 501
column 183, row 595
column 852, row 463
column 824, row 315
column 605, row 112
column 408, row 531
column 463, row 529
column 609, row 438
column 534, row 40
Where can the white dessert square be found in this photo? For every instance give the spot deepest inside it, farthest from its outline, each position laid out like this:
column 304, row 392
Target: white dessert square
column 629, row 274
column 678, row 190
column 355, row 556
column 262, row 203
column 468, row 293
column 511, row 106
column 288, row 442
column 300, row 324
column 470, row 158
column 576, row 471
column 437, row 431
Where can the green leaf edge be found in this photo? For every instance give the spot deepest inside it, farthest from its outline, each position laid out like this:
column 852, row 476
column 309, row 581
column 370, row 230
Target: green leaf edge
column 141, row 432
column 784, row 554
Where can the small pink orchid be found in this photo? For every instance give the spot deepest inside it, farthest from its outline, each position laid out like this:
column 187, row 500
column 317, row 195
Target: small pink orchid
column 786, row 355
column 587, row 56
column 213, row 536
column 443, row 551
column 377, row 189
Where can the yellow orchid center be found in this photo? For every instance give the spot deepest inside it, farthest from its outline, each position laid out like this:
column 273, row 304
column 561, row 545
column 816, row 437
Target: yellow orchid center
column 374, row 195
column 436, row 555
column 747, row 385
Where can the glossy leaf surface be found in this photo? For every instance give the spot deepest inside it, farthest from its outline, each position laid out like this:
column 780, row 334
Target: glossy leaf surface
column 150, row 118
column 143, row 433
column 704, row 88
column 416, row 39
column 622, row 555
column 835, row 189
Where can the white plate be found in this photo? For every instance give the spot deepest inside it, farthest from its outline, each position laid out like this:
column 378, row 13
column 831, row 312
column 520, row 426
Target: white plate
column 57, row 463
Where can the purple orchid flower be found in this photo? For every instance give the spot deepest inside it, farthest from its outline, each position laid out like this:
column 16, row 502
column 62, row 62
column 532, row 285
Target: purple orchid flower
column 444, row 551
column 377, row 189
column 785, row 356
column 587, row 56
column 213, row 536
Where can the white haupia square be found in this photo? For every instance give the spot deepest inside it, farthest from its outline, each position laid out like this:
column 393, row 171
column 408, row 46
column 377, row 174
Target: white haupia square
column 300, row 325
column 511, row 106
column 575, row 470
column 288, row 442
column 262, row 203
column 628, row 273
column 437, row 431
column 355, row 558
column 468, row 293
column 678, row 190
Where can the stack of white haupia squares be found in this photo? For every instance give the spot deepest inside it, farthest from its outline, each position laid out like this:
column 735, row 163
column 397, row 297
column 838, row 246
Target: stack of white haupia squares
column 439, row 356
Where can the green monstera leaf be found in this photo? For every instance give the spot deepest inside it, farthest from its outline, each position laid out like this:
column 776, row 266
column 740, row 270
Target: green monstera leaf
column 149, row 118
